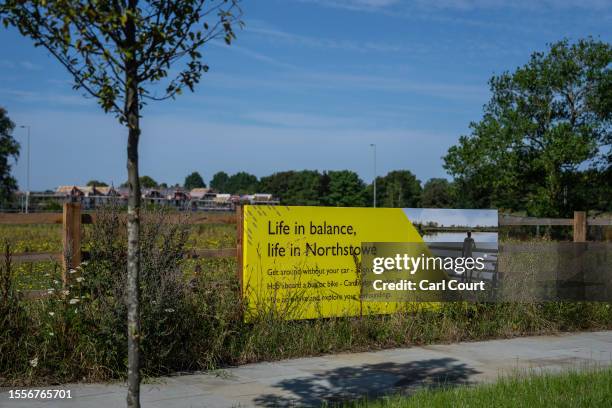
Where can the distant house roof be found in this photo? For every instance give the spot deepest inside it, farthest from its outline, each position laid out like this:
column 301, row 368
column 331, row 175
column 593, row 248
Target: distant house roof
column 123, row 191
column 262, row 197
column 87, row 190
column 106, row 191
column 178, row 195
column 68, row 190
column 199, row 193
column 222, row 198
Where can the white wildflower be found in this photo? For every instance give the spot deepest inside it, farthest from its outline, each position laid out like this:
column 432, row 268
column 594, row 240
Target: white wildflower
column 34, row 362
column 51, row 334
column 74, row 301
column 50, row 291
column 169, row 310
column 80, row 279
column 56, row 282
column 51, row 314
column 65, row 292
column 72, row 271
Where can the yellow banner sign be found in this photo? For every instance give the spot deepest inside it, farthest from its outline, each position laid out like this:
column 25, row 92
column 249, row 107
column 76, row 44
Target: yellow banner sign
column 304, row 262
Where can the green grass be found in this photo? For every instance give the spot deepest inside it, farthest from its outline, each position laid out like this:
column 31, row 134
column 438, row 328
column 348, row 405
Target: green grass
column 32, row 238
column 590, row 388
column 86, row 341
column 47, row 238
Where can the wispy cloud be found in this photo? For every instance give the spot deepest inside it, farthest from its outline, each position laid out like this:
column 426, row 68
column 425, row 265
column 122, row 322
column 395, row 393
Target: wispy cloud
column 25, row 96
column 27, row 65
column 328, row 43
column 256, row 55
column 301, row 120
column 304, row 81
column 357, row 5
column 423, row 5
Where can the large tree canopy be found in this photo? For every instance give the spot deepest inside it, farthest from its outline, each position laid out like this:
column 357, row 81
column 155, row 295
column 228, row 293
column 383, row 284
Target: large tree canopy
column 96, row 183
column 399, row 189
column 242, row 183
column 219, row 181
column 9, row 148
column 294, row 187
column 437, row 193
column 545, row 132
column 343, row 188
column 194, row 180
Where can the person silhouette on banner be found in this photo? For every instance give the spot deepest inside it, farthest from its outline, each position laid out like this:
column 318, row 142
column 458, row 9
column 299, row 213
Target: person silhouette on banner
column 469, row 245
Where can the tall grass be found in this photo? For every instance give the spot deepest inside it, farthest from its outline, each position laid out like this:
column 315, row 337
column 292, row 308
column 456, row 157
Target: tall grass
column 192, row 316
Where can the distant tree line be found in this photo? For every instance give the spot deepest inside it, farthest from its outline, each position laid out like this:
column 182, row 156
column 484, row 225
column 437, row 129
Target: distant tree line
column 343, row 188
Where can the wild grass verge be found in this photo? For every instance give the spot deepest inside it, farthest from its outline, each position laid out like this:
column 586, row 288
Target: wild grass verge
column 192, row 316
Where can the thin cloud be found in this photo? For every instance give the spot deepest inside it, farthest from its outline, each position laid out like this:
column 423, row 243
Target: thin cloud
column 327, row 43
column 301, row 120
column 304, row 81
column 256, row 55
column 461, row 5
column 27, row 65
column 23, row 96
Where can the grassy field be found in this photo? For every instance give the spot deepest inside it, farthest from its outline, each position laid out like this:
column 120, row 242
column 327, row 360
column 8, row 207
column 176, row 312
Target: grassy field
column 589, row 388
column 47, row 238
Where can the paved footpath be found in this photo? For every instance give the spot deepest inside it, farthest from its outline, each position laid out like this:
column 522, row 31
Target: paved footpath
column 309, row 381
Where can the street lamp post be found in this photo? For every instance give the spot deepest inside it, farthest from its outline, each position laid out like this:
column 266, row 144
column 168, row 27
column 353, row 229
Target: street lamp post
column 27, row 201
column 374, row 183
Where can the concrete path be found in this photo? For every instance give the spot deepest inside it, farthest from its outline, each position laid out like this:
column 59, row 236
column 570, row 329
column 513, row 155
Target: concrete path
column 309, row 381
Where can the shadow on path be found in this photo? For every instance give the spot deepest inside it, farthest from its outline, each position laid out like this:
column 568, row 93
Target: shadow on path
column 371, row 380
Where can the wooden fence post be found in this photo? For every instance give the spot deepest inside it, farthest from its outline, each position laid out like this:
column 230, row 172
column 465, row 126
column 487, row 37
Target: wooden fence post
column 580, row 226
column 239, row 243
column 71, row 238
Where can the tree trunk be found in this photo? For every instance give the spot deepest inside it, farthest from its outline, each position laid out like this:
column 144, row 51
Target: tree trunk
column 133, row 266
column 132, row 110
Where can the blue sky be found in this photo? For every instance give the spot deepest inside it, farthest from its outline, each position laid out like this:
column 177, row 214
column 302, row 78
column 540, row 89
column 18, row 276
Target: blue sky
column 309, row 84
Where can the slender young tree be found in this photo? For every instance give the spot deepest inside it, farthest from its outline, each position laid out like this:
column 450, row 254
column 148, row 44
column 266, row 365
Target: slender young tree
column 121, row 52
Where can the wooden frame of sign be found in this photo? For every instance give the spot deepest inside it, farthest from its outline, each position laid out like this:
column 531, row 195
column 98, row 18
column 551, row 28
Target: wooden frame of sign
column 239, row 243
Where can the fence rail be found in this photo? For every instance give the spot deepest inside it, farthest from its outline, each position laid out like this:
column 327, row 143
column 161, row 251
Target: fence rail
column 72, row 218
column 89, row 218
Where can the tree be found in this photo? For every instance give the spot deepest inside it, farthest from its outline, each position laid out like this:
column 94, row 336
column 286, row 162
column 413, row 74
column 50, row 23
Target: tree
column 96, row 183
column 122, row 53
column 9, row 148
column 294, row 187
column 437, row 193
column 399, row 189
column 147, row 182
column 194, row 180
column 242, row 183
column 344, row 189
column 219, row 181
column 546, row 124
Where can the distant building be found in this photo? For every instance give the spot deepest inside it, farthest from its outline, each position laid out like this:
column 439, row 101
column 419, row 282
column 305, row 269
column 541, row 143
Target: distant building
column 69, row 192
column 92, row 197
column 202, row 194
